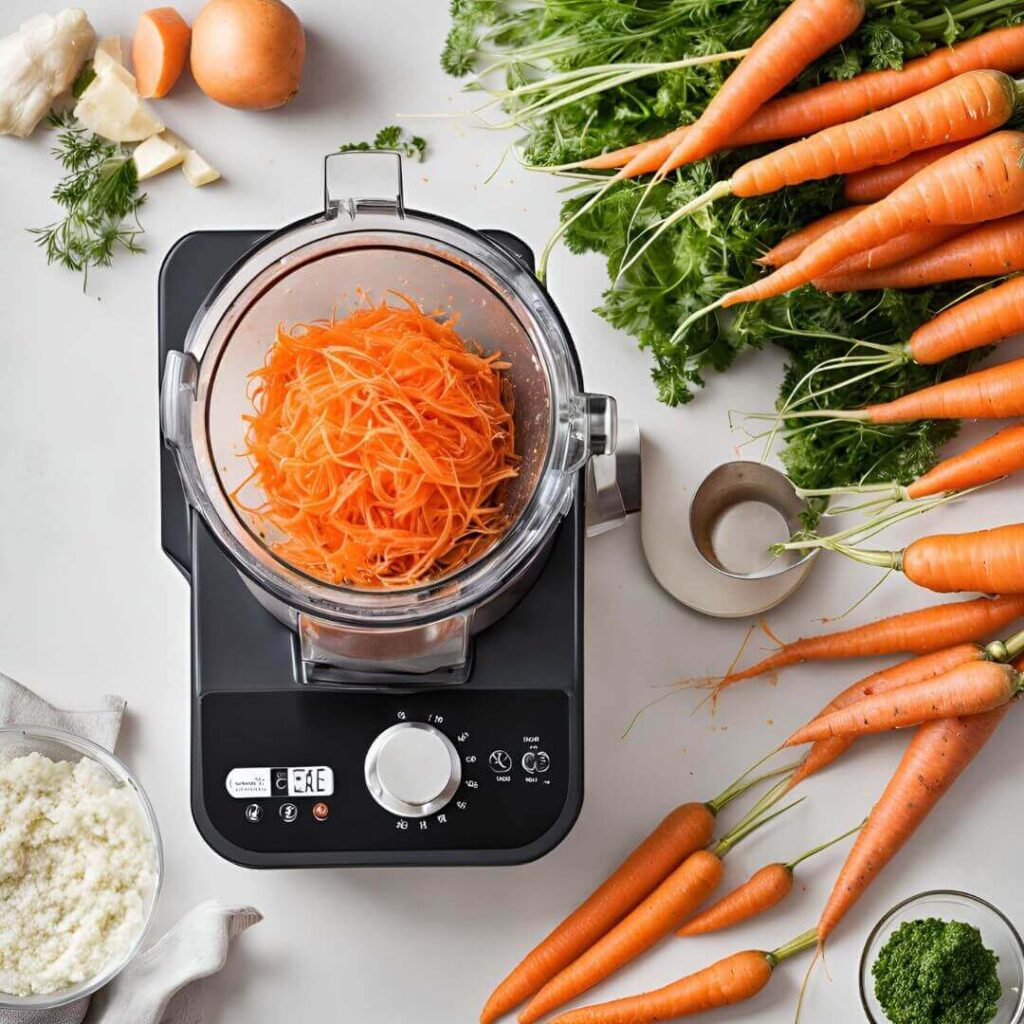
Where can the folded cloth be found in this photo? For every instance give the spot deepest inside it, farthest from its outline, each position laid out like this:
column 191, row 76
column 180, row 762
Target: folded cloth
column 160, row 985
column 157, row 987
column 20, row 706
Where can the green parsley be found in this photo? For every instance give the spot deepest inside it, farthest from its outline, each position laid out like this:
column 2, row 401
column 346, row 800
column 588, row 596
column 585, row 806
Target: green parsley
column 414, row 147
column 100, row 198
column 937, row 972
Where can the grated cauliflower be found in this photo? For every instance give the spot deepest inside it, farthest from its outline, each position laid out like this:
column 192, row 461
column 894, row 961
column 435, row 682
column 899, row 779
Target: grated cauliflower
column 77, row 873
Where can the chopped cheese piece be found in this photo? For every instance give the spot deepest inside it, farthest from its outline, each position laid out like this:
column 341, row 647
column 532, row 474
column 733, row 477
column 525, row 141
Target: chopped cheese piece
column 157, row 154
column 197, row 171
column 111, row 107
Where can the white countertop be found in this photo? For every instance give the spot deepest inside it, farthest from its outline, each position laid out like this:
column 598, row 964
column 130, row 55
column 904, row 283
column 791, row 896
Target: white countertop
column 91, row 605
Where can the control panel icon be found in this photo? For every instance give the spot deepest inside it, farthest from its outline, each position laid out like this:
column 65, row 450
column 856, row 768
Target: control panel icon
column 500, row 761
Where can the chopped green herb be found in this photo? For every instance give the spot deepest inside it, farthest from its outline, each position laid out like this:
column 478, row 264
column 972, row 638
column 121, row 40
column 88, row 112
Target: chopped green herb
column 100, row 198
column 391, row 137
column 937, row 972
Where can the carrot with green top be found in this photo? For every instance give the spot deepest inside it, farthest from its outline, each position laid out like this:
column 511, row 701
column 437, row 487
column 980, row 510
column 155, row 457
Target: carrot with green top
column 986, row 561
column 765, row 889
column 983, row 181
column 998, row 456
column 726, row 982
column 811, row 110
column 670, row 904
column 965, row 108
column 804, row 31
column 682, row 832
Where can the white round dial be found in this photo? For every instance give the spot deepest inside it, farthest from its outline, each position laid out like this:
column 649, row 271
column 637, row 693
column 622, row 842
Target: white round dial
column 412, row 769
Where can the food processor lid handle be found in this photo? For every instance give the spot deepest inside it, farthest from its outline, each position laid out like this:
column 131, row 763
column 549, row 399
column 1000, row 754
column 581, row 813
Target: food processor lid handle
column 363, row 181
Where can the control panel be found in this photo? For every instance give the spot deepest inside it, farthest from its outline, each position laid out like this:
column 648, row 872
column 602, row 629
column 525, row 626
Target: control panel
column 305, row 770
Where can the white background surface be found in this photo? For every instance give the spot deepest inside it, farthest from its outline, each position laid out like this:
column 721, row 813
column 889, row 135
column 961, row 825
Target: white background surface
column 89, row 604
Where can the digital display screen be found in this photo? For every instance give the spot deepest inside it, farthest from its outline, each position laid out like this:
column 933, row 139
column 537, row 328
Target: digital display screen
column 317, row 781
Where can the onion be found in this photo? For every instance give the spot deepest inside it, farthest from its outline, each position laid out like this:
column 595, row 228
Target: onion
column 248, row 53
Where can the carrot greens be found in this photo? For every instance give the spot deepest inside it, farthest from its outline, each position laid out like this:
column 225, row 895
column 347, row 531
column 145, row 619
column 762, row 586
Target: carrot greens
column 507, row 45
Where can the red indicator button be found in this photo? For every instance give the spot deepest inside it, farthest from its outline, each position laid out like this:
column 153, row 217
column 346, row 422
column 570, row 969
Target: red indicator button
column 320, row 811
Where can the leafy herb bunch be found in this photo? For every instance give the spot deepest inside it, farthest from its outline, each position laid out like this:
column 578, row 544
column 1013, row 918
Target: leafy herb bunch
column 100, row 197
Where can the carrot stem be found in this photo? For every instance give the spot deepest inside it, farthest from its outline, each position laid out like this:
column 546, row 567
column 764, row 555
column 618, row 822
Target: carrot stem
column 744, row 783
column 822, row 847
column 803, row 941
column 748, row 827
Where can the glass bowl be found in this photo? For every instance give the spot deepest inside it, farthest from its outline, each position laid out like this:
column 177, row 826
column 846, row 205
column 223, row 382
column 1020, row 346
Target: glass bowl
column 59, row 745
column 997, row 932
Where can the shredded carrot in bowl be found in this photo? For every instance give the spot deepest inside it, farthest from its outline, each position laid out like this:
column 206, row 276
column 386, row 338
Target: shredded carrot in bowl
column 379, row 442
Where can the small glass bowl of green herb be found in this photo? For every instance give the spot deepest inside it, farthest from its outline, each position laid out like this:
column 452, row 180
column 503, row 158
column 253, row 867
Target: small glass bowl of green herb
column 943, row 957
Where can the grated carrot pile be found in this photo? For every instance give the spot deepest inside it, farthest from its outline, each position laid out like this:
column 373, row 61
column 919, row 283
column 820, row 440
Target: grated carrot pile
column 378, row 441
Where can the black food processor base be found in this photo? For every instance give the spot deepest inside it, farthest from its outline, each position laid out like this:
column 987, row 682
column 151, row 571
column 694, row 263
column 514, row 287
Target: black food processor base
column 279, row 769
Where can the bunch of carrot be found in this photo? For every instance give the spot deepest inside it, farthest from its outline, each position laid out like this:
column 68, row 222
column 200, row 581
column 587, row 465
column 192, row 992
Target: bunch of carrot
column 955, row 691
column 928, row 154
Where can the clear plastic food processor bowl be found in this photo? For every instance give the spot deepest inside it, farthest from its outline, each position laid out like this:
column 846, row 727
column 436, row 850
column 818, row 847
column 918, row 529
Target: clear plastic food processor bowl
column 367, row 245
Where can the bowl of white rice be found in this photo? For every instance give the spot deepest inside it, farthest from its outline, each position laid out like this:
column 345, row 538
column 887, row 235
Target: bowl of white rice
column 80, row 867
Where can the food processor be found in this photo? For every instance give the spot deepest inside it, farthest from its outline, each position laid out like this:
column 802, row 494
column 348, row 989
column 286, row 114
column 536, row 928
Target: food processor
column 433, row 724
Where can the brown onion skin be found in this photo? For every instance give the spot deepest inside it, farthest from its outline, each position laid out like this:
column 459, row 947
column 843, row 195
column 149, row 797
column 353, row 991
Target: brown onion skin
column 248, row 54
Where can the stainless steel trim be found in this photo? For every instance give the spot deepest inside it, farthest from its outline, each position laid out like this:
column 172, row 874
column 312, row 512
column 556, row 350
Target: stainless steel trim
column 614, row 482
column 400, row 808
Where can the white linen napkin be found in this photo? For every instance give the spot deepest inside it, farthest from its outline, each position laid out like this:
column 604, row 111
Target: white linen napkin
column 160, row 985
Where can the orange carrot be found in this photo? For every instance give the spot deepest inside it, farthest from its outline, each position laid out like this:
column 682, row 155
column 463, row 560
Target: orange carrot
column 794, row 244
column 614, row 159
column 764, row 889
column 964, row 108
column 995, row 393
column 987, row 560
column 921, row 631
column 980, row 320
column 877, row 182
column 682, row 832
column 982, row 181
column 378, row 444
column 938, row 753
column 672, row 902
column 800, row 35
column 811, row 110
column 926, row 666
column 996, row 457
column 894, row 252
column 992, row 459
column 730, row 980
column 989, row 250
column 159, row 50
column 969, row 689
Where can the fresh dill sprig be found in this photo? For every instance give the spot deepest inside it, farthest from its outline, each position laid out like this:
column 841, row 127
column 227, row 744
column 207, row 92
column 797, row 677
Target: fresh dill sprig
column 394, row 137
column 100, row 197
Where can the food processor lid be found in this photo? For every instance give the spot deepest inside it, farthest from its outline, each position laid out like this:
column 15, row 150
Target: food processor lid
column 366, row 242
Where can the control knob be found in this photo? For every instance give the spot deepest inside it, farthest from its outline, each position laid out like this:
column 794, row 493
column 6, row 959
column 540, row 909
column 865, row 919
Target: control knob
column 412, row 769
